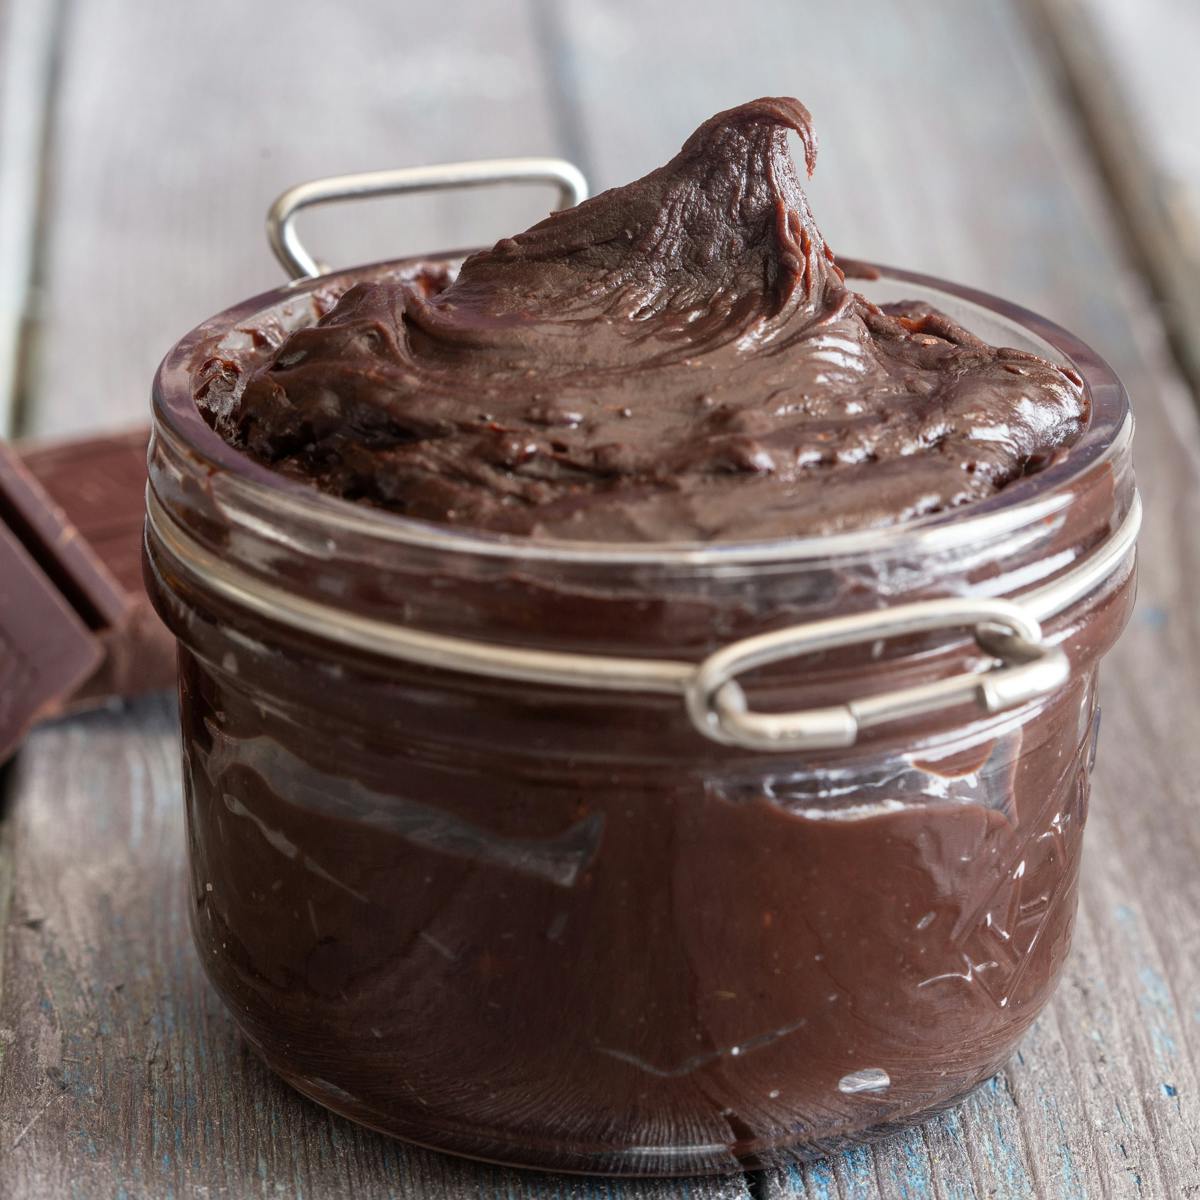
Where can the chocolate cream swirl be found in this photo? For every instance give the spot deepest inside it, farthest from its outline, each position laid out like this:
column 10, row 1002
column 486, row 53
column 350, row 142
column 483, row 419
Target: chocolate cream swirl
column 676, row 360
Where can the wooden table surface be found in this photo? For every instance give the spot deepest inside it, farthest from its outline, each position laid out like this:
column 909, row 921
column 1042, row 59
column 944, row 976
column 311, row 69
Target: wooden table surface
column 1032, row 149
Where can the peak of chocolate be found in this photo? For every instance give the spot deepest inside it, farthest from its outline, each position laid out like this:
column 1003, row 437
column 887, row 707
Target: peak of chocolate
column 716, row 244
column 678, row 359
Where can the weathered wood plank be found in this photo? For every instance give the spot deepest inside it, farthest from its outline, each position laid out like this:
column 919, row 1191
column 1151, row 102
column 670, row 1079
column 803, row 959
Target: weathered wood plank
column 27, row 40
column 1133, row 69
column 178, row 125
column 946, row 148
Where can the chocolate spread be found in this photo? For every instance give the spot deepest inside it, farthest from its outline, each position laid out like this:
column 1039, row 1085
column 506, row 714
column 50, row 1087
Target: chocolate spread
column 678, row 359
column 555, row 926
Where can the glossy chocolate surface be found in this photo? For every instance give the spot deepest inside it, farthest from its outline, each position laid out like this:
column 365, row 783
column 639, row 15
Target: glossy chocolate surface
column 678, row 359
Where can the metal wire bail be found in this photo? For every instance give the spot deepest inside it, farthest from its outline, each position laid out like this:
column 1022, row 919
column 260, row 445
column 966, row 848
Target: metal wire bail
column 300, row 264
column 1028, row 669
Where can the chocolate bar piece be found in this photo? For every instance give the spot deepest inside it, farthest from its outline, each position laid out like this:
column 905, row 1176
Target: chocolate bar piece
column 76, row 627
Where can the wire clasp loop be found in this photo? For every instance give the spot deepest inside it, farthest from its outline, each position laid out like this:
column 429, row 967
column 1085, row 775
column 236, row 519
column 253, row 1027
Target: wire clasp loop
column 300, row 263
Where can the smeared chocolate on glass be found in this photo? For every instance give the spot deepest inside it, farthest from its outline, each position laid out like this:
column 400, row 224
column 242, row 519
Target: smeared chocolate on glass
column 679, row 359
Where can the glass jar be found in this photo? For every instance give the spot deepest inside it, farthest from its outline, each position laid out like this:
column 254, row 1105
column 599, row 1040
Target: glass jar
column 562, row 923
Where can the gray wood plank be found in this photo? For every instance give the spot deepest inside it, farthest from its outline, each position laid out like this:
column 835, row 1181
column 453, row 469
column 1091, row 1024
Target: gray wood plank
column 27, row 38
column 1133, row 69
column 946, row 148
column 177, row 125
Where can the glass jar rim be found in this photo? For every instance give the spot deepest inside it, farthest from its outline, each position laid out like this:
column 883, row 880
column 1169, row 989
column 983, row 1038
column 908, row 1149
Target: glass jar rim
column 179, row 421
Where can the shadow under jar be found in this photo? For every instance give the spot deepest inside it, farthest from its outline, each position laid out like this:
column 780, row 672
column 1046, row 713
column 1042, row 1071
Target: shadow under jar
column 558, row 926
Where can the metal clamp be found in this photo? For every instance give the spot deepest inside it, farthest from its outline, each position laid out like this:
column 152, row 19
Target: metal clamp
column 300, row 264
column 718, row 708
column 1008, row 631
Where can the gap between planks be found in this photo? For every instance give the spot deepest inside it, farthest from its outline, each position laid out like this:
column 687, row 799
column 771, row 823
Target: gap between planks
column 31, row 33
column 1129, row 125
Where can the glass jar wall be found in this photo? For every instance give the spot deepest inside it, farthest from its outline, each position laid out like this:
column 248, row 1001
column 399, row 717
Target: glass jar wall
column 556, row 926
